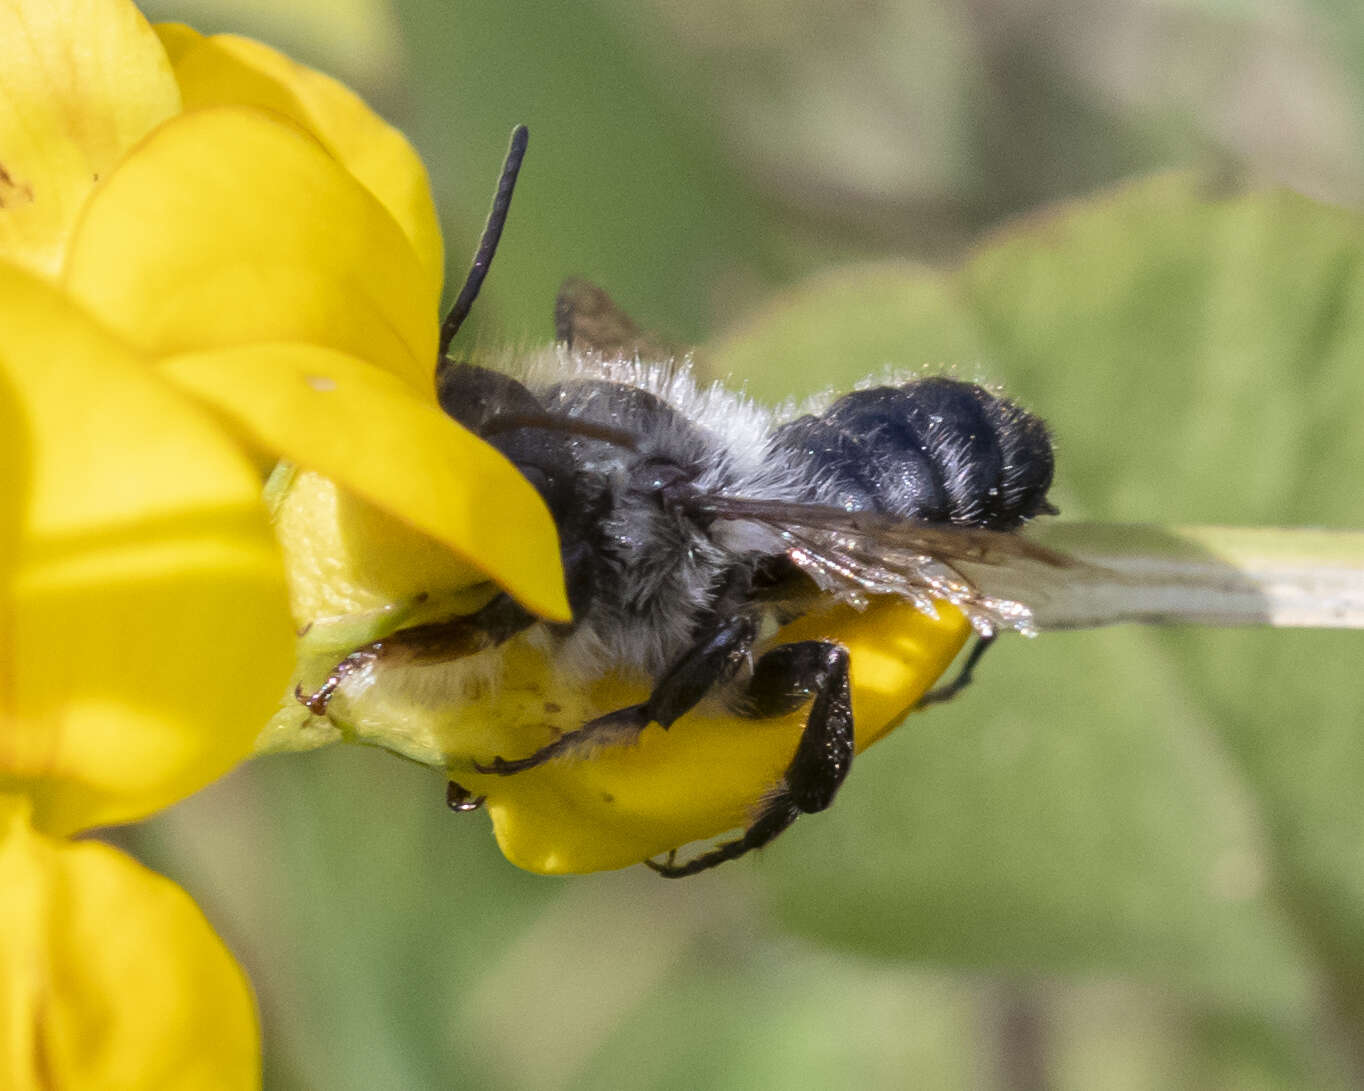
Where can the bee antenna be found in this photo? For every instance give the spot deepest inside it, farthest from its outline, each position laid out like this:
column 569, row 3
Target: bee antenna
column 487, row 246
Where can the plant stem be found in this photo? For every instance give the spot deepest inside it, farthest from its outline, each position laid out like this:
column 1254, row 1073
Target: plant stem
column 1304, row 578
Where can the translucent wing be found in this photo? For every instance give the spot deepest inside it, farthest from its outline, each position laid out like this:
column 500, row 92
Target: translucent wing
column 587, row 319
column 857, row 554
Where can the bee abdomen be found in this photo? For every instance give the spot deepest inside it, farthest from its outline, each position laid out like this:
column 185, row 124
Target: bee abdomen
column 935, row 449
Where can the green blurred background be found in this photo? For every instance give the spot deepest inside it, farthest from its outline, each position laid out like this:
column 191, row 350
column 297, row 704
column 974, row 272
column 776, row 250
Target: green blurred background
column 1124, row 859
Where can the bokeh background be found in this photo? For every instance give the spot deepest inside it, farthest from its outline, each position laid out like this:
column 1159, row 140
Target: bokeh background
column 1125, row 859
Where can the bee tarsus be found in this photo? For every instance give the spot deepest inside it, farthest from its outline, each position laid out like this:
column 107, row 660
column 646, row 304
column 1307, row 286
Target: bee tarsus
column 962, row 680
column 790, row 673
column 707, row 664
column 617, row 728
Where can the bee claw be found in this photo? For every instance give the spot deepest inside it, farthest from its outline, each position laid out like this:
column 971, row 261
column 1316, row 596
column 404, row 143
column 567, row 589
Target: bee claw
column 317, row 701
column 461, row 800
column 667, row 867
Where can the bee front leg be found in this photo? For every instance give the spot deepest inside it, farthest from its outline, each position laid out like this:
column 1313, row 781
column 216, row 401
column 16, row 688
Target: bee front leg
column 434, row 642
column 709, row 662
column 784, row 679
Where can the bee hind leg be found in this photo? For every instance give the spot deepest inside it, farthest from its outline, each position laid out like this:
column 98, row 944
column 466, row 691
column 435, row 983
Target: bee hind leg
column 784, row 679
column 963, row 678
column 710, row 661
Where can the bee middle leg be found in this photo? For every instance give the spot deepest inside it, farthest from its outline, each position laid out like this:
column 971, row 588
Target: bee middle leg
column 435, row 641
column 783, row 680
column 710, row 661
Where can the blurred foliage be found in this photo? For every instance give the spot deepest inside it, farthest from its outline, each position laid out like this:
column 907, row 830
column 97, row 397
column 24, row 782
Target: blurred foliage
column 1124, row 859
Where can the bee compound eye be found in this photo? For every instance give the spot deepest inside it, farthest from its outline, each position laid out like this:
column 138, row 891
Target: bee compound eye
column 475, row 395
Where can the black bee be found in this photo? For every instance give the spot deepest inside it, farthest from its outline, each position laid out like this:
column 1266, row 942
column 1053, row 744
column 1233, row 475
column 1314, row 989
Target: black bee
column 690, row 519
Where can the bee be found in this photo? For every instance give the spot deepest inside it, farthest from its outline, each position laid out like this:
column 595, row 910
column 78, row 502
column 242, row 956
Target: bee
column 693, row 521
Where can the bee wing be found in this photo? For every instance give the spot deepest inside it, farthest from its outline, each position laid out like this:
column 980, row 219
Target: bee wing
column 587, row 319
column 856, row 554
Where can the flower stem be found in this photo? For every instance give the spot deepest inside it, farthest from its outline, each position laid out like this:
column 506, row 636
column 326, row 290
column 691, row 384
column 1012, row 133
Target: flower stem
column 1287, row 578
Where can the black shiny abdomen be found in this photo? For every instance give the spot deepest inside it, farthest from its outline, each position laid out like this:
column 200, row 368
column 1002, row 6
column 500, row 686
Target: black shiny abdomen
column 936, row 449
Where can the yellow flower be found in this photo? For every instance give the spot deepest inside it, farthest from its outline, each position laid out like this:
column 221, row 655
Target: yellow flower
column 703, row 776
column 145, row 632
column 210, row 258
column 258, row 241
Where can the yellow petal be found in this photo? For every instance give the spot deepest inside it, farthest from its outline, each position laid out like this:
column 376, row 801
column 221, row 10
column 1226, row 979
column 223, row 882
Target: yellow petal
column 346, row 557
column 706, row 774
column 150, row 633
column 225, row 69
column 177, row 39
column 368, row 432
column 81, row 82
column 231, row 225
column 111, row 976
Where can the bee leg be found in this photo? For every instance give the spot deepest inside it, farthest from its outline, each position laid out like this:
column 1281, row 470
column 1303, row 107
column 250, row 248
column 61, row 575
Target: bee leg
column 963, row 678
column 783, row 679
column 708, row 663
column 436, row 641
